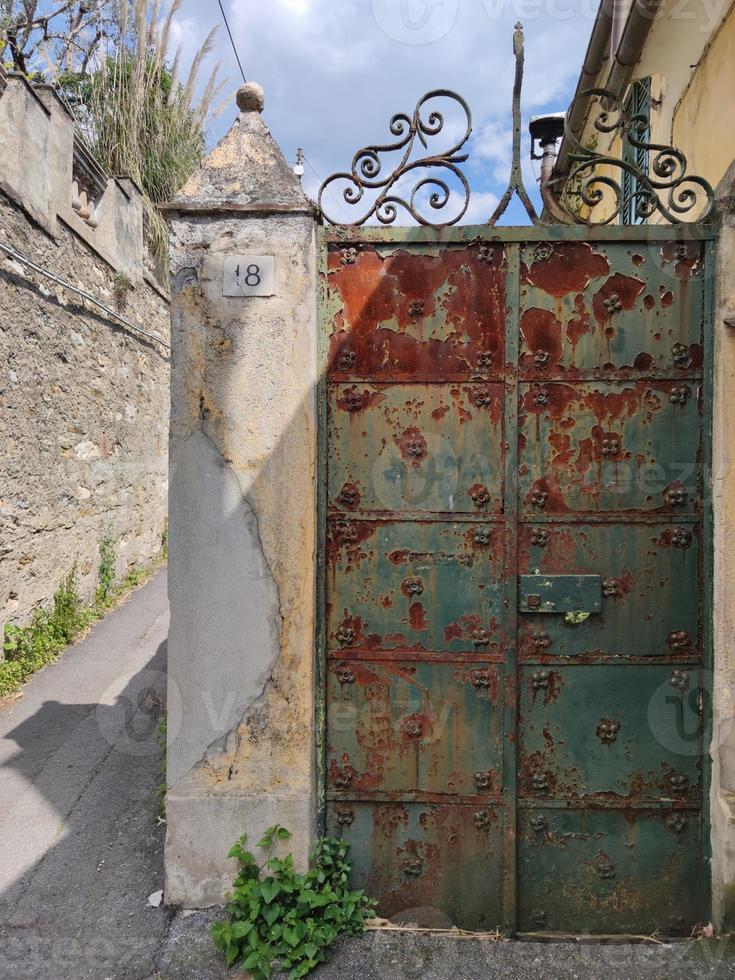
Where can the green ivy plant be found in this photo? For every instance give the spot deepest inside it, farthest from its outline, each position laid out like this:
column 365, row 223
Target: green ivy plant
column 106, row 568
column 287, row 919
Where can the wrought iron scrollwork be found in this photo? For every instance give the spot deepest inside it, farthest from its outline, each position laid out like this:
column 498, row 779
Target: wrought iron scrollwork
column 369, row 173
column 596, row 180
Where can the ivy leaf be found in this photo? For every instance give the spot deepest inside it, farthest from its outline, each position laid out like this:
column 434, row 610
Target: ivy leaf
column 271, row 913
column 269, row 889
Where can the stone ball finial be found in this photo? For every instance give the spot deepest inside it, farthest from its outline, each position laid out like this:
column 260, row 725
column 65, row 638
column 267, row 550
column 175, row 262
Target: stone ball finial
column 250, row 97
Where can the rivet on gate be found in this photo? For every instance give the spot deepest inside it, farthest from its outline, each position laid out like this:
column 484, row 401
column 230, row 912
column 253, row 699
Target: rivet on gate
column 680, row 353
column 487, row 254
column 681, row 537
column 480, row 496
column 345, row 533
column 346, row 360
column 416, row 449
column 679, row 679
column 343, row 779
column 681, row 252
column 348, row 495
column 413, row 868
column 345, row 817
column 541, row 639
column 482, row 535
column 679, row 394
column 481, row 396
column 540, row 782
column 610, row 446
column 484, row 358
column 480, row 638
column 539, row 537
column 612, row 304
column 346, row 636
column 607, row 731
column 412, row 727
column 348, row 256
column 480, row 678
column 610, row 588
column 482, row 819
column 539, row 498
column 676, row 496
column 413, row 585
column 539, row 824
column 416, row 308
column 676, row 822
column 677, row 782
column 541, row 358
column 540, row 679
column 541, row 398
column 678, row 641
column 605, row 869
column 539, row 919
column 543, row 252
column 344, row 674
column 353, row 400
column 483, row 780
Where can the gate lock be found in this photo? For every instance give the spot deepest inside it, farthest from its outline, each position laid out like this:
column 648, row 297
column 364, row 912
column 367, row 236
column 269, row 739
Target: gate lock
column 560, row 594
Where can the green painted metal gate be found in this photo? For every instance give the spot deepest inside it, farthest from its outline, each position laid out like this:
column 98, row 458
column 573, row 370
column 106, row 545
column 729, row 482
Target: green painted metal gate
column 514, row 574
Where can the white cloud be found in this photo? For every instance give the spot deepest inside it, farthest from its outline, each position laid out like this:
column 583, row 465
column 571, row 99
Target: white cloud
column 334, row 72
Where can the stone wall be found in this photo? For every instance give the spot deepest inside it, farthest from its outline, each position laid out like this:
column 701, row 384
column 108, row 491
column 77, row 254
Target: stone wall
column 85, row 400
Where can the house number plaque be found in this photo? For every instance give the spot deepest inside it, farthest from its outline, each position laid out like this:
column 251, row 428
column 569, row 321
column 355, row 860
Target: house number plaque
column 248, row 275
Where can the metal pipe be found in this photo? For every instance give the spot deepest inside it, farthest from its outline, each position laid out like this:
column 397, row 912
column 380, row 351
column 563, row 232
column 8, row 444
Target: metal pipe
column 19, row 257
column 548, row 161
column 597, row 51
column 629, row 50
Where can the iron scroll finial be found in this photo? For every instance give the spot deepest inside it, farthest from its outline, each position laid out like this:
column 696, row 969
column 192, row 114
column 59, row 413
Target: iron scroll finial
column 367, row 173
column 660, row 186
column 515, row 183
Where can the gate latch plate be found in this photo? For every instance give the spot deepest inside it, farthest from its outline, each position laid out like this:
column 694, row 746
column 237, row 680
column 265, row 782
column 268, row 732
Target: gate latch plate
column 560, row 593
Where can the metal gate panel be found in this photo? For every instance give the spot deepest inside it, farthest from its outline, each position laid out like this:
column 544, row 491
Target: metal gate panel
column 609, row 447
column 416, row 314
column 413, row 727
column 604, row 733
column 418, row 855
column 651, row 604
column 579, row 871
column 415, row 585
column 629, row 308
column 416, row 448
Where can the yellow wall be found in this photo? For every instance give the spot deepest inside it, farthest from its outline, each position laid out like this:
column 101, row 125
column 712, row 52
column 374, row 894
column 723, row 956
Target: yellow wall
column 703, row 121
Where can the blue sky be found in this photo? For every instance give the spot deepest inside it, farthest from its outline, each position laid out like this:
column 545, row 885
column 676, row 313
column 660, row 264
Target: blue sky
column 335, row 71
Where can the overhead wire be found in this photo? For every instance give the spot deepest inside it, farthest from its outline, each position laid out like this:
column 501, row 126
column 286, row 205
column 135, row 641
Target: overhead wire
column 232, row 40
column 334, row 197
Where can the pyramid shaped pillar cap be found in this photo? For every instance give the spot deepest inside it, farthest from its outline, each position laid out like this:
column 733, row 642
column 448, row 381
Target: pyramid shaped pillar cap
column 246, row 171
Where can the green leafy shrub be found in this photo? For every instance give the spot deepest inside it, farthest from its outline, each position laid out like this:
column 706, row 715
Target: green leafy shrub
column 285, row 918
column 29, row 648
column 106, row 568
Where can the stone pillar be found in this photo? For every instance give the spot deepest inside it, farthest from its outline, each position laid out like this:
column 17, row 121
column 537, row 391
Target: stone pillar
column 242, row 510
column 722, row 798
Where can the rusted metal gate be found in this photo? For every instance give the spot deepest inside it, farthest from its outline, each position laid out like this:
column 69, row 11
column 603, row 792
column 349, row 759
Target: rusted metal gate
column 514, row 581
